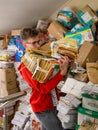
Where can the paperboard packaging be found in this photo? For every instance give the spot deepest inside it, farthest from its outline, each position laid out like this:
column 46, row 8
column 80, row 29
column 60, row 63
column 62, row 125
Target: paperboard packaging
column 8, row 78
column 83, row 34
column 87, row 53
column 7, row 74
column 46, row 46
column 73, row 87
column 8, row 85
column 91, row 12
column 87, row 115
column 16, row 32
column 87, row 16
column 4, row 92
column 14, row 90
column 42, row 25
column 81, row 77
column 90, row 102
column 5, row 41
column 57, row 30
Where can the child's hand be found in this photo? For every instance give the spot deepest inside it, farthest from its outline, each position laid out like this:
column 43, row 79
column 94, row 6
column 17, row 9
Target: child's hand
column 63, row 62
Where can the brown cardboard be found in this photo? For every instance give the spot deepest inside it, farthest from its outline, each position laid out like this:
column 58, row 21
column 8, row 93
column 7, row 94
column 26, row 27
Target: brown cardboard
column 88, row 53
column 7, row 74
column 92, row 71
column 8, row 79
column 4, row 92
column 5, row 41
column 46, row 46
column 8, row 85
column 57, row 30
column 16, row 32
column 81, row 77
column 92, row 13
column 15, row 90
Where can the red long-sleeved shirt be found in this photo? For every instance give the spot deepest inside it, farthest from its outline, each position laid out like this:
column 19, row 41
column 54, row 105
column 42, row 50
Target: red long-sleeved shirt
column 41, row 99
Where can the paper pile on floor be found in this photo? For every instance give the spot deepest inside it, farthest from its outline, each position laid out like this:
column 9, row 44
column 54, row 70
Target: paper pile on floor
column 24, row 118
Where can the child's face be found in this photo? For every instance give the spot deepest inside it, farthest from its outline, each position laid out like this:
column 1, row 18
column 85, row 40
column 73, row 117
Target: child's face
column 32, row 43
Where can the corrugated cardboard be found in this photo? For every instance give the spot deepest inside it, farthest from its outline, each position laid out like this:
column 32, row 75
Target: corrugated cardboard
column 4, row 92
column 16, row 32
column 7, row 74
column 5, row 41
column 92, row 71
column 15, row 90
column 87, row 16
column 91, row 12
column 57, row 30
column 88, row 53
column 8, row 85
column 8, row 78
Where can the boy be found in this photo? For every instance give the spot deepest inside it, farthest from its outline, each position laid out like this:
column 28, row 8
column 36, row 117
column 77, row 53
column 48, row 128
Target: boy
column 41, row 100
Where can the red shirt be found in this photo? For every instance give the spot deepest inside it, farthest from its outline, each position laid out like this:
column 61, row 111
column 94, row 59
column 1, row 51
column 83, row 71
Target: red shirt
column 41, row 99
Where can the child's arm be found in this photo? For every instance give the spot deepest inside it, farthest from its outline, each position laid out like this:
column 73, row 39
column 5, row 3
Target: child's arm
column 49, row 85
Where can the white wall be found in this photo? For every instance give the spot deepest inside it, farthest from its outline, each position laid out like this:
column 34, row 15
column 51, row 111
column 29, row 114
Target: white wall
column 15, row 14
column 19, row 13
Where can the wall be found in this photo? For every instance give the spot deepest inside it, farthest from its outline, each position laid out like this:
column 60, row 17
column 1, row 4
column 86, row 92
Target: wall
column 77, row 4
column 16, row 14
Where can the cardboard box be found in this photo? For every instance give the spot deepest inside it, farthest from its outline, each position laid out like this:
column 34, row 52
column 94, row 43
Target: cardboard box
column 8, row 85
column 83, row 34
column 7, row 74
column 90, row 101
column 87, row 115
column 88, row 53
column 4, row 92
column 5, row 41
column 57, row 30
column 91, row 12
column 81, row 77
column 87, row 16
column 8, row 81
column 16, row 32
column 15, row 90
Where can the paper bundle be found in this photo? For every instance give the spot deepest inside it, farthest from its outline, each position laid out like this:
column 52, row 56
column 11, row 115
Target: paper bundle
column 44, row 69
column 73, row 87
